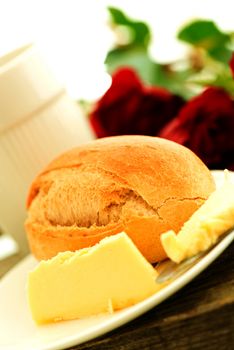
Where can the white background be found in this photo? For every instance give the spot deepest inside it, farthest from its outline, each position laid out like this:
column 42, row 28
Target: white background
column 74, row 36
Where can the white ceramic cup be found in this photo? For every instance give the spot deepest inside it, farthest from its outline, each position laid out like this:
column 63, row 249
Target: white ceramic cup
column 38, row 121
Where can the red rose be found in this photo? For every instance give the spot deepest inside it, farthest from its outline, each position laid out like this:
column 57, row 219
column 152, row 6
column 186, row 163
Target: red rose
column 231, row 63
column 129, row 107
column 206, row 126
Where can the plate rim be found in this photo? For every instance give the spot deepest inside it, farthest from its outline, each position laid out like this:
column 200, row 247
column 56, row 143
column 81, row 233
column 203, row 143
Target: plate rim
column 126, row 315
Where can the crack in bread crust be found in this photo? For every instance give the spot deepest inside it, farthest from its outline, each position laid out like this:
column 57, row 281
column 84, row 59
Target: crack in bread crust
column 126, row 204
column 85, row 199
column 66, row 199
column 179, row 200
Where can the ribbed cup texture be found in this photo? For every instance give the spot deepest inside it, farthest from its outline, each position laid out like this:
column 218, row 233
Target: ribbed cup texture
column 28, row 146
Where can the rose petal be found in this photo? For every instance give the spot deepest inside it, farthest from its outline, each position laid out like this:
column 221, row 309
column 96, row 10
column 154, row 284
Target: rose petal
column 129, row 107
column 231, row 64
column 206, row 125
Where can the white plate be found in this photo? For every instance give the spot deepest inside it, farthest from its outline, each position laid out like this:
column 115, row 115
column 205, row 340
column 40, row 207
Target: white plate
column 18, row 331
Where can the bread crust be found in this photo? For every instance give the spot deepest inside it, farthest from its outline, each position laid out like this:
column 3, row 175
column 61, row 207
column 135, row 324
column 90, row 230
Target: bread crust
column 148, row 185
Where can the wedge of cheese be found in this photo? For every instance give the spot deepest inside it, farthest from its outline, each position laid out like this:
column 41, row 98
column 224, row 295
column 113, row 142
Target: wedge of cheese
column 204, row 227
column 109, row 276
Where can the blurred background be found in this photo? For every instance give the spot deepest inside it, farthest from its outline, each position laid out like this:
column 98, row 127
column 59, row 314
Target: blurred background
column 75, row 36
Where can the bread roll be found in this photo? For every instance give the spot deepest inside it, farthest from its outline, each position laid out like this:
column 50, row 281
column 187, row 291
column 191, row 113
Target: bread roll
column 138, row 184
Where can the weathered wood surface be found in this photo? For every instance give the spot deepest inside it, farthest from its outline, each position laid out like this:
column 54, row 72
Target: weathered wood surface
column 200, row 316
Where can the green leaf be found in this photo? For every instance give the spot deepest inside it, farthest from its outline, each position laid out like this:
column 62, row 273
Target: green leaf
column 201, row 32
column 150, row 72
column 206, row 35
column 134, row 57
column 174, row 81
column 220, row 77
column 118, row 17
column 220, row 53
column 139, row 31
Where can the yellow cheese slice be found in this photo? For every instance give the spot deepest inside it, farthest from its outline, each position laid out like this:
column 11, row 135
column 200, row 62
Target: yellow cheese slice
column 109, row 276
column 204, row 227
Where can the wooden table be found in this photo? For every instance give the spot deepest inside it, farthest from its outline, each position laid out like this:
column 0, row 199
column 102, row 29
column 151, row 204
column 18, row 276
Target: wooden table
column 200, row 316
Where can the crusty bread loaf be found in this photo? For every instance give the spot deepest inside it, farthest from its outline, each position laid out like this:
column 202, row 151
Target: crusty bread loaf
column 138, row 184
